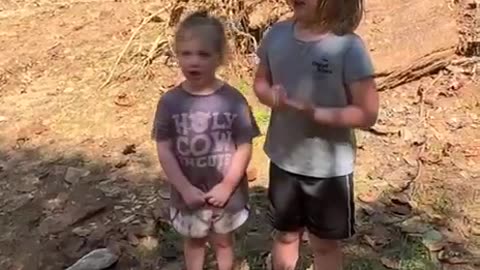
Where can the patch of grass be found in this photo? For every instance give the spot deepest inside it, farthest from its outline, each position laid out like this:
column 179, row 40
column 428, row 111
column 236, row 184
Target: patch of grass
column 244, row 87
column 171, row 243
column 262, row 116
column 411, row 254
column 364, row 264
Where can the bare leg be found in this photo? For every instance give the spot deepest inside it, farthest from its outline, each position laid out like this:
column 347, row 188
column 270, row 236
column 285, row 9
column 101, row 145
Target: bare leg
column 194, row 251
column 327, row 254
column 223, row 246
column 285, row 250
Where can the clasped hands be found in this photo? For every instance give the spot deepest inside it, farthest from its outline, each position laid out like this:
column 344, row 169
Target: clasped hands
column 281, row 100
column 217, row 196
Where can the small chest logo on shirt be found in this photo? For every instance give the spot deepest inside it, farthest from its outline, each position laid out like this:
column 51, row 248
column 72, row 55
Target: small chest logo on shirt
column 322, row 66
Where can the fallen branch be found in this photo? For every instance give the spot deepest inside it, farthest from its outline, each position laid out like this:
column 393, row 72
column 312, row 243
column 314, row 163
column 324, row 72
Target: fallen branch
column 421, row 67
column 160, row 41
column 132, row 37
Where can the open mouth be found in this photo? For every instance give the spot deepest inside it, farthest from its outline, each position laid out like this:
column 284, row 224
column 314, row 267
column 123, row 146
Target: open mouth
column 194, row 73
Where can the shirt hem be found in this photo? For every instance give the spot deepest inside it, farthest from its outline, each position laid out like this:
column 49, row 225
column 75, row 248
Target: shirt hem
column 295, row 170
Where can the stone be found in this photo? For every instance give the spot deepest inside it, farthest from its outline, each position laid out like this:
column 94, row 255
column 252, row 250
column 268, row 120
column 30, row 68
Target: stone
column 414, row 225
column 73, row 175
column 402, row 210
column 95, row 260
column 82, row 231
column 58, row 223
column 433, row 240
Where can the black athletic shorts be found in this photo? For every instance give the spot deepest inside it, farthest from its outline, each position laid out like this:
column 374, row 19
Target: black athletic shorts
column 324, row 206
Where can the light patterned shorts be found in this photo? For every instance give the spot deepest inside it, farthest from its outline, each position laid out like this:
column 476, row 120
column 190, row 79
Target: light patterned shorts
column 200, row 223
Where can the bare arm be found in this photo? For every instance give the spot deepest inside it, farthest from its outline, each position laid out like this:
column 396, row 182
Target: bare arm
column 240, row 160
column 262, row 85
column 219, row 195
column 170, row 166
column 244, row 129
column 362, row 113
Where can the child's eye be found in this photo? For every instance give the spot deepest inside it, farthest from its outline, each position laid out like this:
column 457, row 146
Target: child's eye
column 204, row 54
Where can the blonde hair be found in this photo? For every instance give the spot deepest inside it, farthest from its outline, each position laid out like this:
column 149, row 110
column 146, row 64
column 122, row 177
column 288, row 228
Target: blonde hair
column 201, row 25
column 339, row 16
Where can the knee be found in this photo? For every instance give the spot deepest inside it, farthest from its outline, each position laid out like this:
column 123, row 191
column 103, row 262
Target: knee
column 323, row 247
column 223, row 242
column 196, row 242
column 287, row 237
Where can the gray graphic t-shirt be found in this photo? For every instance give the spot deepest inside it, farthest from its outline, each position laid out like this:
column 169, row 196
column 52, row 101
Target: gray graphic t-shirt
column 318, row 72
column 205, row 131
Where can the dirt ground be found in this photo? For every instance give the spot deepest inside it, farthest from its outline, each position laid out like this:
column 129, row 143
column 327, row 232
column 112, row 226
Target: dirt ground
column 78, row 170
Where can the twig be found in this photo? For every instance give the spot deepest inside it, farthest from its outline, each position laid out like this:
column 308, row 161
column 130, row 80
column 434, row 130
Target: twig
column 144, row 22
column 159, row 41
column 384, row 73
column 423, row 94
column 413, row 182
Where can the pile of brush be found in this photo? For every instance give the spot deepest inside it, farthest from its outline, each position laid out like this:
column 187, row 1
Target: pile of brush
column 245, row 22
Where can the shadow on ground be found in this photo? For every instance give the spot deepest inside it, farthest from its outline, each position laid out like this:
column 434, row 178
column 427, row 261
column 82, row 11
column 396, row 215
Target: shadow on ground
column 55, row 208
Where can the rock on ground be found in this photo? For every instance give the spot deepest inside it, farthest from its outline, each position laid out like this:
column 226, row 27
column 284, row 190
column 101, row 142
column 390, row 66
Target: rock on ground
column 96, row 260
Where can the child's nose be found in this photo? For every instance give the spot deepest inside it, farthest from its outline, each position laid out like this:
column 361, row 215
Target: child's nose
column 195, row 60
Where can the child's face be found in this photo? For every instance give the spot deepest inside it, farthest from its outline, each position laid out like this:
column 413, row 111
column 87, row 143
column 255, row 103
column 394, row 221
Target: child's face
column 198, row 60
column 304, row 10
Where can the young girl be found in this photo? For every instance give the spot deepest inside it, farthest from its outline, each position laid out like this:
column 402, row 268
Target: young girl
column 317, row 77
column 204, row 129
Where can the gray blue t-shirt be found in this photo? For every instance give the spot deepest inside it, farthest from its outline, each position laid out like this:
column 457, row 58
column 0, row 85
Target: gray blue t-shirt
column 205, row 131
column 319, row 72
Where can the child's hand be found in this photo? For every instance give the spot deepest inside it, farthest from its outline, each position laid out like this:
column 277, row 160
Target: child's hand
column 219, row 195
column 305, row 107
column 193, row 197
column 279, row 96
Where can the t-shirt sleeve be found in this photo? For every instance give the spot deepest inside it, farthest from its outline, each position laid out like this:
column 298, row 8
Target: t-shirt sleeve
column 162, row 123
column 262, row 55
column 357, row 62
column 245, row 127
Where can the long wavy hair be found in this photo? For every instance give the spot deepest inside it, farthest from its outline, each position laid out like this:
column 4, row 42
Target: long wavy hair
column 339, row 16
